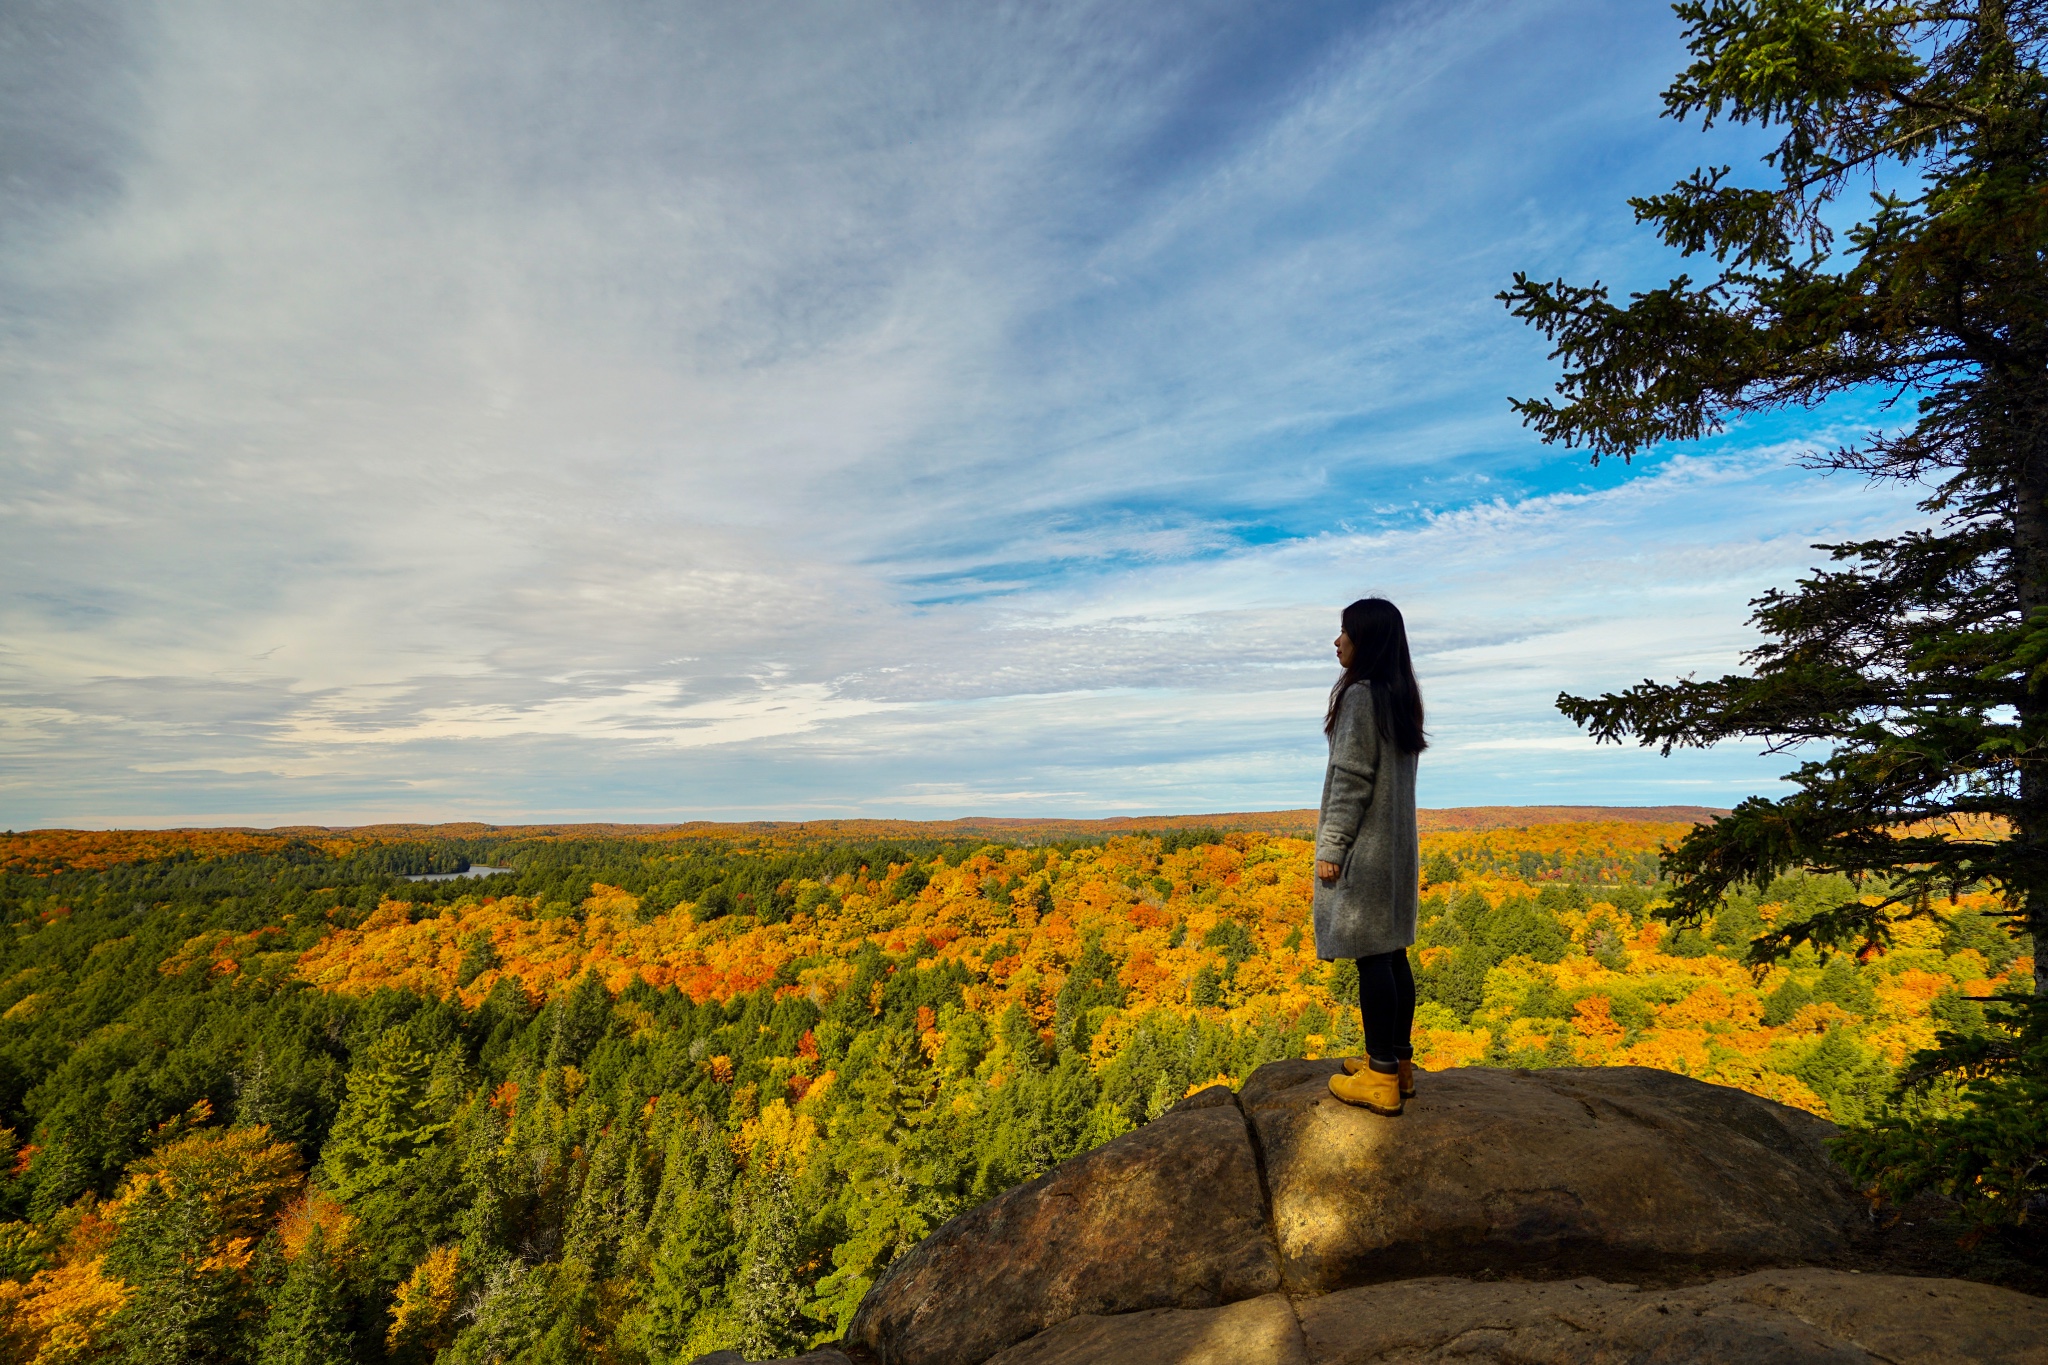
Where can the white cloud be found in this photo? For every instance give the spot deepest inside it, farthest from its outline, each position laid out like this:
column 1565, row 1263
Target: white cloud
column 649, row 711
column 493, row 410
column 1563, row 743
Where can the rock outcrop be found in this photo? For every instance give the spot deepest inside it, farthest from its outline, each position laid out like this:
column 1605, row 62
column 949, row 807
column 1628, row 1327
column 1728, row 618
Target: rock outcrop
column 1619, row 1172
column 1169, row 1216
column 1623, row 1172
column 1809, row 1316
column 1638, row 1215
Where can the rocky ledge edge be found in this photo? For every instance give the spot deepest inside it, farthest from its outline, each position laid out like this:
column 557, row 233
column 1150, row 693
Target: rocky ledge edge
column 1571, row 1214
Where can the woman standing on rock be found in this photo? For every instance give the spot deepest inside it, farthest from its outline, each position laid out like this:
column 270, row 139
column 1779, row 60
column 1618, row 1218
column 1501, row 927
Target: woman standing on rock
column 1367, row 855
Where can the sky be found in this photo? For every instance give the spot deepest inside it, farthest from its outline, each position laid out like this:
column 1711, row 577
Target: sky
column 655, row 411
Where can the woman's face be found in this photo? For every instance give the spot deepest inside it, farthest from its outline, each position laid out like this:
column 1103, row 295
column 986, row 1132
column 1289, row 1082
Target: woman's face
column 1345, row 651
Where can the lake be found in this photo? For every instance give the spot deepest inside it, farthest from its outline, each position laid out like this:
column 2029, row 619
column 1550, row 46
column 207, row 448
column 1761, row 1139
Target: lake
column 451, row 876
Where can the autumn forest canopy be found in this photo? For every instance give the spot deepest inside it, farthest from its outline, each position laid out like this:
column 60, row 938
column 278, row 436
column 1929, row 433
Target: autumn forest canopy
column 646, row 1096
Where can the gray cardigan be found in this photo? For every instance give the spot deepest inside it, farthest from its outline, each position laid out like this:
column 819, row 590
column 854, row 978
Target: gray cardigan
column 1367, row 827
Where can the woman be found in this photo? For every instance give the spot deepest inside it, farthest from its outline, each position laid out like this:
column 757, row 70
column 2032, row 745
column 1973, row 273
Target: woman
column 1366, row 847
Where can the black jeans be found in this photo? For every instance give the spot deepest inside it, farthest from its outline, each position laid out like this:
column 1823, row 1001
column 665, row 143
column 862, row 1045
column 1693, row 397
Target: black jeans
column 1386, row 999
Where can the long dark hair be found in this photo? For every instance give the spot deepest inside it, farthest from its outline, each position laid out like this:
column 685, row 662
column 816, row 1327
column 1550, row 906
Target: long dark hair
column 1379, row 659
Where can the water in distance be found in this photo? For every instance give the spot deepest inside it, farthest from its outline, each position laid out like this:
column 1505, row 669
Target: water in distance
column 451, row 876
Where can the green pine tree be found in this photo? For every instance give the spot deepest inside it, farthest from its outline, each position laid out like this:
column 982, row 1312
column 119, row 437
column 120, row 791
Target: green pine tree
column 60, row 1175
column 581, row 1020
column 309, row 1321
column 389, row 1158
column 1983, row 1154
column 387, row 1122
column 479, row 955
column 1033, row 1123
column 489, row 1211
column 1918, row 665
column 770, row 1298
column 512, row 1313
column 697, row 1250
column 1091, row 990
column 606, row 1215
column 182, row 1306
column 903, row 1168
column 1917, row 662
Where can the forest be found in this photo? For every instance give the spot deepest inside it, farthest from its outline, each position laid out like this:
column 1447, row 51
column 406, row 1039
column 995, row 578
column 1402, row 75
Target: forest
column 651, row 1095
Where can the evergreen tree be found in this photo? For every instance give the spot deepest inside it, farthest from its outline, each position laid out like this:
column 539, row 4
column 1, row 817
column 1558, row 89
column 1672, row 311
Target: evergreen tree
column 1781, row 1004
column 257, row 1097
column 388, row 1157
column 181, row 1304
column 1034, row 1123
column 266, row 1274
column 606, row 1214
column 489, row 1214
column 1090, row 991
column 1020, row 1040
column 1985, row 1156
column 580, row 1021
column 60, row 1175
column 510, row 1315
column 698, row 1247
column 1917, row 659
column 900, row 1172
column 387, row 1122
column 1841, row 984
column 479, row 955
column 309, row 1321
column 770, row 1297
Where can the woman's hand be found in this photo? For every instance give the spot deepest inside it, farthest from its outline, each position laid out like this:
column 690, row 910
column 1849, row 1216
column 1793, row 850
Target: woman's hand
column 1326, row 873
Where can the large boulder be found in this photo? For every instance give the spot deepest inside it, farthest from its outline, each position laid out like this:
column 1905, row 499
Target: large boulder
column 1623, row 1172
column 1169, row 1216
column 1279, row 1225
column 1771, row 1317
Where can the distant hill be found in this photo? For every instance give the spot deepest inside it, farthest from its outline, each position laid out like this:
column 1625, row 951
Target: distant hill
column 97, row 848
column 1522, row 817
column 1265, row 822
column 42, row 851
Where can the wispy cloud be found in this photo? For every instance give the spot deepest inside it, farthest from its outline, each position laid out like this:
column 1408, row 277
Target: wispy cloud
column 552, row 409
column 649, row 711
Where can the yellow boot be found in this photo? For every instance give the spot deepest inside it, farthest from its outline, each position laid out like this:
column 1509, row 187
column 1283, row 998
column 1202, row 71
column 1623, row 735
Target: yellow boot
column 1378, row 1091
column 1354, row 1065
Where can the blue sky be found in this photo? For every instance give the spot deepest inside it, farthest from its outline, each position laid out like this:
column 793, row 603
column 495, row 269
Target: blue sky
column 505, row 411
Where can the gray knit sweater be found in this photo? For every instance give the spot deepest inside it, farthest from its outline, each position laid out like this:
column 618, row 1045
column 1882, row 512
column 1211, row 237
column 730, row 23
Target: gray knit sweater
column 1367, row 827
